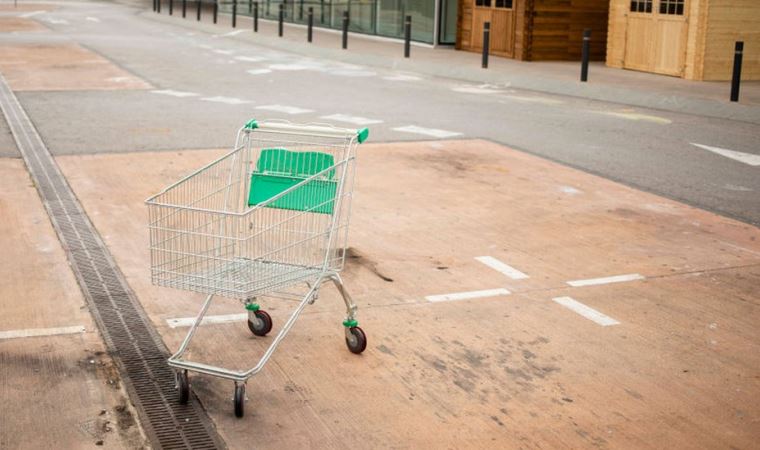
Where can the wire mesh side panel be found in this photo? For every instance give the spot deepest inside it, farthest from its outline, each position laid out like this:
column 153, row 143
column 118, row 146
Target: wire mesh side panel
column 270, row 214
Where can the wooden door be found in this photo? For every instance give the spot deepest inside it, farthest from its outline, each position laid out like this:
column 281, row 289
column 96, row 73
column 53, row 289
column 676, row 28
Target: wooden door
column 501, row 15
column 656, row 35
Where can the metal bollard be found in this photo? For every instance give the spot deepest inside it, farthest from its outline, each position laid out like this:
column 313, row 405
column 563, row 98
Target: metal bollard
column 282, row 15
column 171, row 7
column 345, row 30
column 310, row 25
column 321, row 11
column 216, row 9
column 407, row 36
column 300, row 10
column 266, row 12
column 234, row 13
column 736, row 79
column 250, row 6
column 486, row 43
column 256, row 17
column 158, row 6
column 154, row 5
column 184, row 8
column 198, row 14
column 585, row 54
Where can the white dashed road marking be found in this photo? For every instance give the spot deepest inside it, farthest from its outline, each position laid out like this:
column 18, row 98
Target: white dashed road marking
column 585, row 311
column 284, row 109
column 173, row 93
column 231, row 33
column 467, row 295
column 258, row 71
column 542, row 100
column 189, row 321
column 746, row 158
column 33, row 332
column 356, row 120
column 93, row 19
column 289, row 67
column 434, row 132
column 227, row 100
column 499, row 266
column 402, row 77
column 481, row 89
column 250, row 58
column 224, row 52
column 606, row 280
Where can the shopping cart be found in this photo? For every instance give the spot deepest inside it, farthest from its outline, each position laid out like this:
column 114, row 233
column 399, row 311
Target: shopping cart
column 269, row 219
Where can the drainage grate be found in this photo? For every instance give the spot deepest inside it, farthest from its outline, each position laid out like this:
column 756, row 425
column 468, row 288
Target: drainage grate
column 132, row 341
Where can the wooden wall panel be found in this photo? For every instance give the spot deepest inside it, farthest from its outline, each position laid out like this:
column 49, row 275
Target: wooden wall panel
column 558, row 29
column 616, row 32
column 729, row 21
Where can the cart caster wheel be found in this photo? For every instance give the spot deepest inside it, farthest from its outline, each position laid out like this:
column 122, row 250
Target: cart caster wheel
column 356, row 340
column 239, row 400
column 262, row 325
column 183, row 385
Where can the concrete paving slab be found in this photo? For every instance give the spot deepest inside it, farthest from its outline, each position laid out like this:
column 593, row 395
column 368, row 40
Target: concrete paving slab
column 59, row 389
column 20, row 24
column 516, row 370
column 50, row 67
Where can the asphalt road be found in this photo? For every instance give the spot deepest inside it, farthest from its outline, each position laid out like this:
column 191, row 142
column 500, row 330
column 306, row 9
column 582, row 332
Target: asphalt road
column 232, row 81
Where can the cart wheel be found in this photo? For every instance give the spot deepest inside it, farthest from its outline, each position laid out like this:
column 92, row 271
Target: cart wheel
column 262, row 325
column 356, row 340
column 183, row 384
column 239, row 400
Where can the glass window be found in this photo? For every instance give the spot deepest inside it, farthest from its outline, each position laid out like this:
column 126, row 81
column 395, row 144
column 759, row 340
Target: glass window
column 504, row 4
column 671, row 7
column 642, row 6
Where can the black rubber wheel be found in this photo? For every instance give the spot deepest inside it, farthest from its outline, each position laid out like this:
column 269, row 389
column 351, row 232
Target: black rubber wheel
column 357, row 341
column 262, row 326
column 183, row 385
column 239, row 400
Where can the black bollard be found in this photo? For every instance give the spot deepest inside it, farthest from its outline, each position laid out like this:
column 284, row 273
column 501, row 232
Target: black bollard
column 154, row 5
column 158, row 6
column 171, row 7
column 585, row 54
column 234, row 13
column 407, row 36
column 266, row 12
column 216, row 9
column 736, row 79
column 184, row 8
column 198, row 13
column 250, row 6
column 300, row 10
column 279, row 24
column 345, row 30
column 486, row 43
column 322, row 11
column 310, row 25
column 255, row 17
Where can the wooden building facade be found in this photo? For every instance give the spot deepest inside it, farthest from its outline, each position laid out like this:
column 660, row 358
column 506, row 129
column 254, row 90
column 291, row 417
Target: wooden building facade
column 692, row 39
column 534, row 30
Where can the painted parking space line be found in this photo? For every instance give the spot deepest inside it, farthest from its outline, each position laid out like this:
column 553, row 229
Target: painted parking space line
column 499, row 266
column 285, row 109
column 189, row 321
column 434, row 132
column 356, row 120
column 606, row 280
column 174, row 93
column 746, row 158
column 227, row 100
column 585, row 311
column 258, row 71
column 467, row 295
column 34, row 332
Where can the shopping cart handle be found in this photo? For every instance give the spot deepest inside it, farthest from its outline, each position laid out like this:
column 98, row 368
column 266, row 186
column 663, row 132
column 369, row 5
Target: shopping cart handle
column 282, row 126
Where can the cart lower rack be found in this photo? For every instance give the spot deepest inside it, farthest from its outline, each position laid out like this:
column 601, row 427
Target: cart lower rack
column 269, row 219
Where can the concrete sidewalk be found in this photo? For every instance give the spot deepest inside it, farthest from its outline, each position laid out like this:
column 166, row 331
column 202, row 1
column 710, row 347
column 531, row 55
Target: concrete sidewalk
column 627, row 87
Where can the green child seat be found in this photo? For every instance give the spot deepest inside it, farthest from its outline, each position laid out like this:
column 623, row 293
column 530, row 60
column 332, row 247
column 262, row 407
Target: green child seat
column 278, row 170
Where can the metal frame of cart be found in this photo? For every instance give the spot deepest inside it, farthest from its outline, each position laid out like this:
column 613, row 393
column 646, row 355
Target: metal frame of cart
column 268, row 219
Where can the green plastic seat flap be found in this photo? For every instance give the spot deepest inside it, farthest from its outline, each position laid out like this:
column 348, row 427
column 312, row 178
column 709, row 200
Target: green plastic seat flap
column 279, row 169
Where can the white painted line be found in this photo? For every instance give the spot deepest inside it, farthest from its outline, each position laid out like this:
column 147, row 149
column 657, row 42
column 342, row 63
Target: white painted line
column 467, row 295
column 542, row 100
column 356, row 120
column 570, row 190
column 746, row 158
column 54, row 21
column 499, row 266
column 189, row 321
column 250, row 58
column 401, row 77
column 606, row 280
column 636, row 116
column 180, row 94
column 585, row 311
column 258, row 71
column 480, row 89
column 92, row 19
column 434, row 132
column 227, row 100
column 284, row 109
column 31, row 14
column 352, row 73
column 231, row 33
column 289, row 67
column 33, row 332
column 224, row 52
